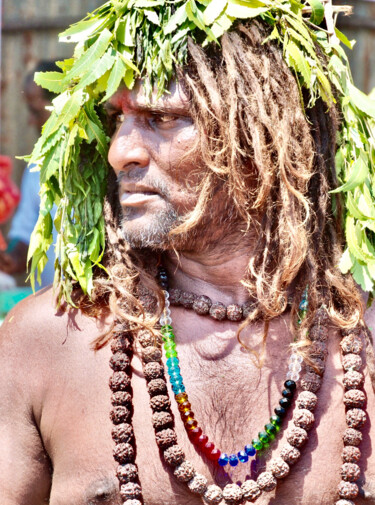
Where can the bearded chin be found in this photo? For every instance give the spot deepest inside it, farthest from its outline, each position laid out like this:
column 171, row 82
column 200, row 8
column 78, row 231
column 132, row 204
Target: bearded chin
column 152, row 235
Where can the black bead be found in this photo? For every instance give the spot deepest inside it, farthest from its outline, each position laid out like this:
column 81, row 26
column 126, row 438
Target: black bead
column 164, row 285
column 287, row 393
column 285, row 403
column 280, row 411
column 290, row 385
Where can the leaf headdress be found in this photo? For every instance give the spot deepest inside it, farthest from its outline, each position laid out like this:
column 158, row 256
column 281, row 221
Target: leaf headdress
column 124, row 40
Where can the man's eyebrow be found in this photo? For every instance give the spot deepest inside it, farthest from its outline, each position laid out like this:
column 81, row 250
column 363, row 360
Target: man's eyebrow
column 152, row 108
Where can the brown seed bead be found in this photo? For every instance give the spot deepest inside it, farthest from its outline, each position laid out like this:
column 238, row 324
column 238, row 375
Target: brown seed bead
column 198, row 484
column 166, row 438
column 348, row 490
column 351, row 454
column 202, row 305
column 119, row 361
column 351, row 362
column 120, row 415
column 311, row 382
column 247, row 308
column 279, row 468
column 121, row 343
column 150, row 354
column 297, row 437
column 213, row 495
column 354, row 398
column 345, row 502
column 307, row 400
column 317, row 366
column 149, row 303
column 321, row 317
column 234, row 312
column 318, row 350
column 352, row 437
column 303, row 418
column 121, row 398
column 160, row 402
column 351, row 344
column 146, row 338
column 153, row 371
column 218, row 311
column 123, row 433
column 161, row 420
column 184, row 472
column 175, row 297
column 318, row 333
column 353, row 380
column 187, row 299
column 356, row 418
column 250, row 490
column 350, row 472
column 130, row 491
column 157, row 387
column 174, row 455
column 127, row 473
column 119, row 381
column 290, row 454
column 351, row 331
column 266, row 481
column 123, row 453
column 232, row 493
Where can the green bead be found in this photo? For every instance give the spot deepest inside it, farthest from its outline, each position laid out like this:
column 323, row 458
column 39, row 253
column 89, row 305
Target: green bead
column 257, row 444
column 166, row 327
column 170, row 346
column 276, row 421
column 263, row 437
column 171, row 354
column 168, row 336
column 271, row 430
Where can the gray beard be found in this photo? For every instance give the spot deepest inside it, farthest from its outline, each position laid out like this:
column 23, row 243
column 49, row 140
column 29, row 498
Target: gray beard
column 155, row 235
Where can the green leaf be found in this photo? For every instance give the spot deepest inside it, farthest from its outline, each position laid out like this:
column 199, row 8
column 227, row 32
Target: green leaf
column 358, row 174
column 81, row 31
column 152, row 16
column 362, row 101
column 346, row 261
column 115, row 78
column 213, row 11
column 245, row 9
column 100, row 68
column 353, row 207
column 95, row 130
column 301, row 64
column 221, row 25
column 195, row 15
column 71, row 108
column 317, row 14
column 354, row 238
column 50, row 80
column 344, row 39
column 90, row 57
column 362, row 276
column 179, row 17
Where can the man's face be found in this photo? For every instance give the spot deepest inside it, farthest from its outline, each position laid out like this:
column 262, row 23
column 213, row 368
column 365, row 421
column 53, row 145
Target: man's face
column 36, row 103
column 152, row 153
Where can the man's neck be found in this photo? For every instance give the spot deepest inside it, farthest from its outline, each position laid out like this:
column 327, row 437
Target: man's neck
column 212, row 274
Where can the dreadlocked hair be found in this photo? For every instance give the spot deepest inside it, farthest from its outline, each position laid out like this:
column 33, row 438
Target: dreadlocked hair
column 275, row 162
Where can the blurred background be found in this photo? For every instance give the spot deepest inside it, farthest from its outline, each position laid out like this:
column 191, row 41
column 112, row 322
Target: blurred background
column 29, row 34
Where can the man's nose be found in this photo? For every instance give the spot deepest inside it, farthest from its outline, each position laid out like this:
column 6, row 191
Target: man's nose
column 128, row 150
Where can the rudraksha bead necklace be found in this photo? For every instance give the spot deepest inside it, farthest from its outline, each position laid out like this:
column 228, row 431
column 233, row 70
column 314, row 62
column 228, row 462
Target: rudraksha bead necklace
column 166, row 439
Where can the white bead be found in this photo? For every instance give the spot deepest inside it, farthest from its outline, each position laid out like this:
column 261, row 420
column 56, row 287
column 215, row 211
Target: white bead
column 165, row 320
column 295, row 358
column 294, row 376
column 166, row 295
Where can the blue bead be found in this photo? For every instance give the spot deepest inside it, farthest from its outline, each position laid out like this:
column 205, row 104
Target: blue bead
column 223, row 460
column 174, row 370
column 243, row 457
column 178, row 388
column 176, row 380
column 174, row 376
column 172, row 362
column 233, row 460
column 250, row 450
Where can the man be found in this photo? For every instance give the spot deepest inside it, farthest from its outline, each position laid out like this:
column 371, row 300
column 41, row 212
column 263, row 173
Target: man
column 208, row 194
column 13, row 260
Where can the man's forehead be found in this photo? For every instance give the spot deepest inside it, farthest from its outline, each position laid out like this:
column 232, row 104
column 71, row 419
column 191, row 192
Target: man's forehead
column 137, row 99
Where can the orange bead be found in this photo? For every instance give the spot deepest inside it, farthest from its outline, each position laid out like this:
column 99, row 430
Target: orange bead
column 181, row 397
column 183, row 407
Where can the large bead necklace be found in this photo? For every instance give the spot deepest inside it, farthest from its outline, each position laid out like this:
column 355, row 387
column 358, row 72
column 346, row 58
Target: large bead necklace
column 278, row 468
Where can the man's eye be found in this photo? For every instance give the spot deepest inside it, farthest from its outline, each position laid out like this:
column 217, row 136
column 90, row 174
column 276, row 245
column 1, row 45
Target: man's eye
column 164, row 118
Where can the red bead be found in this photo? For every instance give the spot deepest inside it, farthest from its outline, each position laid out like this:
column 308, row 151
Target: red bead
column 202, row 440
column 187, row 415
column 207, row 448
column 195, row 433
column 191, row 424
column 214, row 455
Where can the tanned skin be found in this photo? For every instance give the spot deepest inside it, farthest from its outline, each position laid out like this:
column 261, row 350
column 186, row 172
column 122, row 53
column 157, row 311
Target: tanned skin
column 55, row 432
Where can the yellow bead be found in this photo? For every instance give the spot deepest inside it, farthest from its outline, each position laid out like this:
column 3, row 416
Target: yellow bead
column 181, row 397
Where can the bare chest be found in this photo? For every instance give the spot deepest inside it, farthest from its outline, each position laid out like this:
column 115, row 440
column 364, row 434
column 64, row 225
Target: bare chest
column 231, row 403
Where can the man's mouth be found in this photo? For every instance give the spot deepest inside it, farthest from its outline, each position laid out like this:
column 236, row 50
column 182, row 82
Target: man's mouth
column 137, row 196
